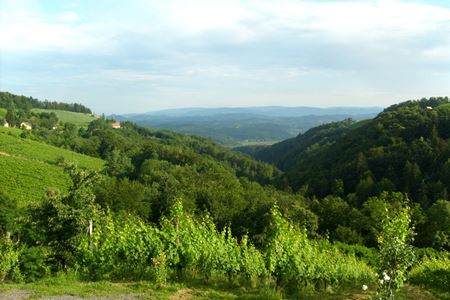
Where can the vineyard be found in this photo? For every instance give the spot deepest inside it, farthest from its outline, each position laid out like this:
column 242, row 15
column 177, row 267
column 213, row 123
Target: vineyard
column 28, row 168
column 34, row 150
column 166, row 216
column 27, row 180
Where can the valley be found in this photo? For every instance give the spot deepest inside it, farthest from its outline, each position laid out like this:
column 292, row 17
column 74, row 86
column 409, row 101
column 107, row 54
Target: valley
column 87, row 204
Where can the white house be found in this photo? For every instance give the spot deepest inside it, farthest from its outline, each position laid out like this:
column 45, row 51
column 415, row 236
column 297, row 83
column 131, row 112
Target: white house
column 25, row 125
column 5, row 124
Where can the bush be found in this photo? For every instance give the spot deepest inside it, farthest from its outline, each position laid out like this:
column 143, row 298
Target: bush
column 9, row 262
column 34, row 263
column 432, row 273
column 120, row 247
column 296, row 261
column 396, row 254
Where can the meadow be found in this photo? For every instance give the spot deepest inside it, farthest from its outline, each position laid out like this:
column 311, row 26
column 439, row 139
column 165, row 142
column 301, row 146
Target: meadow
column 79, row 119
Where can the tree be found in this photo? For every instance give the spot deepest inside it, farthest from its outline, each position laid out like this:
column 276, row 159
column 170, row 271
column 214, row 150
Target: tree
column 396, row 254
column 11, row 117
column 60, row 221
column 118, row 164
column 437, row 227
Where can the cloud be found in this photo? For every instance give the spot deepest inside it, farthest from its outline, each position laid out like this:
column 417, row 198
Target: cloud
column 24, row 28
column 198, row 49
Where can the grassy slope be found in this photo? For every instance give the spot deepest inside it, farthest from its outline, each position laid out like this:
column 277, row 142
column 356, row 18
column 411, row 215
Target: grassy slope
column 28, row 167
column 79, row 119
column 2, row 112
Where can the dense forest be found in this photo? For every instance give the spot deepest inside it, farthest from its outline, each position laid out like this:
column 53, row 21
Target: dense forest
column 406, row 148
column 353, row 200
column 8, row 100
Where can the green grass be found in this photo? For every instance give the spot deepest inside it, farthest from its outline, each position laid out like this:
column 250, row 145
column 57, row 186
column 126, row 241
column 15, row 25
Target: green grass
column 79, row 119
column 28, row 168
column 11, row 131
column 67, row 285
column 2, row 113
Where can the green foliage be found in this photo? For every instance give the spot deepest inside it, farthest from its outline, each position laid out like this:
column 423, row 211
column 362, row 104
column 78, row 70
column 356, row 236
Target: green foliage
column 295, row 260
column 29, row 168
column 122, row 246
column 405, row 148
column 26, row 181
column 26, row 103
column 11, row 117
column 124, row 195
column 437, row 226
column 197, row 244
column 396, row 254
column 8, row 214
column 35, row 262
column 63, row 219
column 160, row 270
column 34, row 150
column 168, row 205
column 433, row 273
column 10, row 259
column 119, row 247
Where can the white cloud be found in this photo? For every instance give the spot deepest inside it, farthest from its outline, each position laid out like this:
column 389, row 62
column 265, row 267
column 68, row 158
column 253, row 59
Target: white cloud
column 24, row 28
column 68, row 17
column 254, row 49
column 261, row 17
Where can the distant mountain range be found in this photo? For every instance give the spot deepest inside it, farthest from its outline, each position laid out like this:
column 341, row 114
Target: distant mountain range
column 237, row 126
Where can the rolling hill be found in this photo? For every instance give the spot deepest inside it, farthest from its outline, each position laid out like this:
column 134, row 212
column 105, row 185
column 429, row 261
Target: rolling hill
column 405, row 148
column 249, row 125
column 29, row 168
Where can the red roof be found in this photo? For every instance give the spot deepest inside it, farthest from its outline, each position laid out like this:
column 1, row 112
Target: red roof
column 115, row 124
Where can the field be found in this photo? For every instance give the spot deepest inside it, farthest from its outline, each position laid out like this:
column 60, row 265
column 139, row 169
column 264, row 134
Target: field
column 27, row 180
column 64, row 287
column 79, row 119
column 29, row 167
column 29, row 149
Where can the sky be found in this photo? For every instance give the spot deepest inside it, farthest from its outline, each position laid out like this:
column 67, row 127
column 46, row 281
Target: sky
column 143, row 55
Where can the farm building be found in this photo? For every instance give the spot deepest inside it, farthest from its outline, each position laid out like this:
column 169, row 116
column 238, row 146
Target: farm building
column 25, row 125
column 115, row 125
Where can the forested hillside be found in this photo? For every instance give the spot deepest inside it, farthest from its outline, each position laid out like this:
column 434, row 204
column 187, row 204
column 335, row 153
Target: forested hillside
column 8, row 100
column 247, row 125
column 142, row 204
column 406, row 148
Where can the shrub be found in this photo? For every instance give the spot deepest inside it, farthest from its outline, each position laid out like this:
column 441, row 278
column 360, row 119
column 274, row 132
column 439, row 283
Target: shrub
column 396, row 255
column 9, row 262
column 34, row 262
column 432, row 273
column 295, row 260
